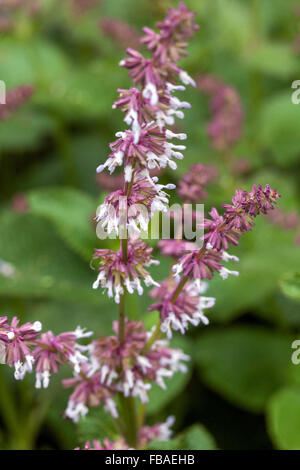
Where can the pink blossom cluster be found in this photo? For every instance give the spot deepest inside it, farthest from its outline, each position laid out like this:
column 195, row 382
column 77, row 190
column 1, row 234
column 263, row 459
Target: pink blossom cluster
column 187, row 308
column 127, row 363
column 16, row 341
column 117, row 275
column 101, row 369
column 15, row 98
column 152, row 106
column 131, row 366
column 145, row 198
column 120, row 32
column 128, row 367
column 192, row 186
column 80, row 7
column 10, row 8
column 225, row 127
column 180, row 299
column 149, row 107
column 175, row 247
column 130, row 361
column 286, row 220
column 24, row 348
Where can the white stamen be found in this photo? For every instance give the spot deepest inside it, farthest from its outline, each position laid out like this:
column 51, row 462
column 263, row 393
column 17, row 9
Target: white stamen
column 37, row 326
column 186, row 79
column 110, row 406
column 224, row 273
column 150, row 92
column 227, row 257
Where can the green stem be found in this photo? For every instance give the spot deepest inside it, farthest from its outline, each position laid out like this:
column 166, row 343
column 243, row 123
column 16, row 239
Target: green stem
column 129, row 424
column 121, row 319
column 129, row 421
column 141, row 415
column 124, row 249
column 133, row 422
column 124, row 245
column 8, row 408
column 155, row 335
column 178, row 289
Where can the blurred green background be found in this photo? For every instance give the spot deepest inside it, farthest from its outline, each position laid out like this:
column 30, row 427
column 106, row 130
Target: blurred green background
column 242, row 390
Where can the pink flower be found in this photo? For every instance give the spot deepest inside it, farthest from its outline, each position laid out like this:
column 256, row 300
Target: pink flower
column 89, row 391
column 15, row 98
column 157, row 432
column 241, row 166
column 120, row 32
column 175, row 247
column 80, row 7
column 141, row 70
column 18, row 340
column 199, row 264
column 141, row 106
column 288, row 221
column 225, row 126
column 169, row 44
column 145, row 198
column 148, row 149
column 176, row 314
column 52, row 351
column 131, row 366
column 192, row 186
column 153, row 76
column 115, row 274
column 4, row 325
column 219, row 235
column 247, row 205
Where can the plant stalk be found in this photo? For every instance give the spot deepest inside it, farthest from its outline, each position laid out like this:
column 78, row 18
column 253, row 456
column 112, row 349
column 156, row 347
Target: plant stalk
column 129, row 423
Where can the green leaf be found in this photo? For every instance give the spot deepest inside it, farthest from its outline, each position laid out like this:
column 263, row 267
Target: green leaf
column 150, row 319
column 27, row 61
column 58, row 316
column 76, row 95
column 290, row 285
column 71, row 213
column 197, row 437
column 273, row 59
column 44, row 266
column 280, row 127
column 25, row 129
column 283, row 419
column 172, row 444
column 97, row 425
column 233, row 22
column 90, row 144
column 244, row 364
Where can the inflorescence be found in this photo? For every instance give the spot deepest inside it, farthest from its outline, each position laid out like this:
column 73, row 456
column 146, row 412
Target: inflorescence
column 127, row 363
